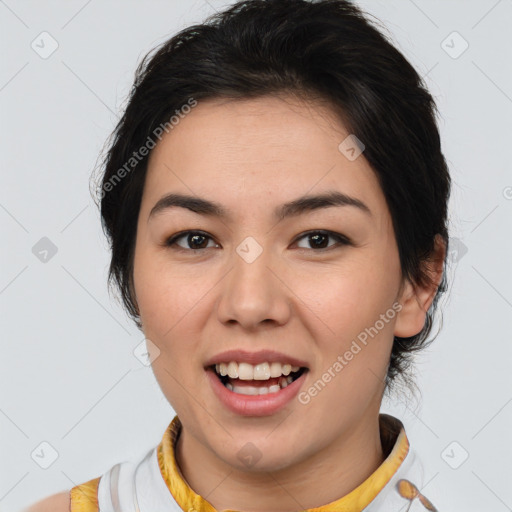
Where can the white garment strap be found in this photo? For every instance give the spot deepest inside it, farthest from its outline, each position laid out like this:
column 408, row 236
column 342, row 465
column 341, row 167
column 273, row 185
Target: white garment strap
column 114, row 491
column 136, row 486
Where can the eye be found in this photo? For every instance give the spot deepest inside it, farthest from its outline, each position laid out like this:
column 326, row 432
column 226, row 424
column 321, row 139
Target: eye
column 194, row 240
column 319, row 238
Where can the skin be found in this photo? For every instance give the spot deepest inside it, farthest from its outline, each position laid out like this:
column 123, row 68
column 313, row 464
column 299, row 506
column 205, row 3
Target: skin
column 60, row 502
column 251, row 156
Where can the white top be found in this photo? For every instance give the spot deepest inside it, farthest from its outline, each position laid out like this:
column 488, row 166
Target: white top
column 138, row 486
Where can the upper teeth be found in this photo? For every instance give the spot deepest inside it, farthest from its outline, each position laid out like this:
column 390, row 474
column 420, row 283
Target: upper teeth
column 262, row 371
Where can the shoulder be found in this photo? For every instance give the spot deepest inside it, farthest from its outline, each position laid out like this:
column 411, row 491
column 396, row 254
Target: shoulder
column 81, row 498
column 60, row 502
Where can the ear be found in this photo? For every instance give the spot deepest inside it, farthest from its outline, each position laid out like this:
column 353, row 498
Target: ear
column 416, row 299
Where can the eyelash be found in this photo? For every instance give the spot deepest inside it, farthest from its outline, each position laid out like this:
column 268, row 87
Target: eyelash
column 341, row 239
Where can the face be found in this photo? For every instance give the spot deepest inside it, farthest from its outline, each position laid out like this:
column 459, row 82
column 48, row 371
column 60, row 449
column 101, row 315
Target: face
column 307, row 284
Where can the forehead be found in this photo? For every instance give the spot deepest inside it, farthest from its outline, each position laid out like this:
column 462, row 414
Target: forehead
column 261, row 128
column 255, row 149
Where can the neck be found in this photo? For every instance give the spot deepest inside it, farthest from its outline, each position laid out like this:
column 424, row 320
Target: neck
column 322, row 478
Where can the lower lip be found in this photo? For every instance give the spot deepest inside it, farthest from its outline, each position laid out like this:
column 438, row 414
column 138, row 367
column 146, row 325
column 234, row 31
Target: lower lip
column 254, row 405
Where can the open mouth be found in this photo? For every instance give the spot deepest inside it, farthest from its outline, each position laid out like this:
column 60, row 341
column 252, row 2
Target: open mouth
column 260, row 386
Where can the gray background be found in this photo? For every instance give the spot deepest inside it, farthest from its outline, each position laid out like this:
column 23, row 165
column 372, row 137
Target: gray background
column 68, row 373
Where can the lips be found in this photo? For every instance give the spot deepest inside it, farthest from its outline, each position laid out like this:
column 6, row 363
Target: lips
column 263, row 404
column 254, row 405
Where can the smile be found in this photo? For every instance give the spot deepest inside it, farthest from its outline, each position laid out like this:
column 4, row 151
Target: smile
column 260, row 379
column 255, row 397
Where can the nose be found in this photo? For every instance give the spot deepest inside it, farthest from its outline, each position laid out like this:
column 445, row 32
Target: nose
column 254, row 293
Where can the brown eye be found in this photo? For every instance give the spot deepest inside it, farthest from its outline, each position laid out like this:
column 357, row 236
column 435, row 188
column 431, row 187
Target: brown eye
column 319, row 240
column 194, row 240
column 198, row 240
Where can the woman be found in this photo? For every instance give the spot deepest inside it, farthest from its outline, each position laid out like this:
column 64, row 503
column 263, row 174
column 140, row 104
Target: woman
column 276, row 201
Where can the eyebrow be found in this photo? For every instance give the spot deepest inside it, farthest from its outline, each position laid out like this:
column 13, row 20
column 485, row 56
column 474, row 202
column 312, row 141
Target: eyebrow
column 296, row 207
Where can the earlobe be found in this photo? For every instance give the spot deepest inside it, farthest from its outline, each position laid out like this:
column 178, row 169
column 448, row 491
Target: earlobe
column 416, row 299
column 411, row 318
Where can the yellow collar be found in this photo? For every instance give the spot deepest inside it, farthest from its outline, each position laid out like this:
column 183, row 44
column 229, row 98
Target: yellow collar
column 394, row 442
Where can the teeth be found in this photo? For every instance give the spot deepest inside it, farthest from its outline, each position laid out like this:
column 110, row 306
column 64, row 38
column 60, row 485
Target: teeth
column 245, row 370
column 275, row 370
column 262, row 371
column 233, row 370
column 249, row 390
column 252, row 390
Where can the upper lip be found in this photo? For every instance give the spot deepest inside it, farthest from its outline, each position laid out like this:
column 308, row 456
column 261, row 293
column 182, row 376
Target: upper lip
column 262, row 356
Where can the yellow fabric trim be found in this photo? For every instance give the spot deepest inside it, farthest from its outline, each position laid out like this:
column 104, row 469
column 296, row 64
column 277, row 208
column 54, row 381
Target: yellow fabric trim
column 392, row 434
column 84, row 497
column 365, row 493
column 183, row 494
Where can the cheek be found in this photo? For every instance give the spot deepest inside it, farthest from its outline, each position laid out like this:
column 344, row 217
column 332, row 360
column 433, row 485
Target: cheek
column 172, row 305
column 168, row 303
column 347, row 299
column 164, row 294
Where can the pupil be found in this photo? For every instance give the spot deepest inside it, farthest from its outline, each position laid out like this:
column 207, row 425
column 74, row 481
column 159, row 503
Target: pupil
column 316, row 238
column 194, row 237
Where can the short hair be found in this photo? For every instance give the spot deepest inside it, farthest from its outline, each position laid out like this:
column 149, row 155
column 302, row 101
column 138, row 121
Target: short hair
column 327, row 50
